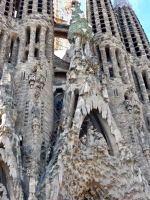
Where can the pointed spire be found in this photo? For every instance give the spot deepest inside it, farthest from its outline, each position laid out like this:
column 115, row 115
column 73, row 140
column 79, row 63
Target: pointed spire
column 120, row 3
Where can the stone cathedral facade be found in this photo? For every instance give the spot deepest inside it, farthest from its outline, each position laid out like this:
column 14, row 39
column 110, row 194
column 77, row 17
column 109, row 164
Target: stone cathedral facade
column 79, row 128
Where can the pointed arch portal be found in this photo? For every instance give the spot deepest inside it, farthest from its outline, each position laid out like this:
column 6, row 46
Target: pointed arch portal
column 95, row 119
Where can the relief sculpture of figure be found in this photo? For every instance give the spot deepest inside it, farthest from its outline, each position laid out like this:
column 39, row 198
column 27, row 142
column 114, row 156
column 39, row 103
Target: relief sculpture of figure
column 82, row 143
column 3, row 192
column 100, row 143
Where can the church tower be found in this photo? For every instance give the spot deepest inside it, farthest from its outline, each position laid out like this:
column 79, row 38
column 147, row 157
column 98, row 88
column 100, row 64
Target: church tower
column 74, row 130
column 135, row 39
column 34, row 74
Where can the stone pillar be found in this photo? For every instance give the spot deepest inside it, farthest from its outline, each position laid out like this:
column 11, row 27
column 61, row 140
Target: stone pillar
column 3, row 49
column 130, row 73
column 35, row 6
column 25, row 8
column 32, row 42
column 2, row 5
column 22, row 45
column 142, row 85
column 71, row 109
column 8, row 46
column 49, row 45
column 123, row 66
column 10, row 9
column 44, row 9
column 104, row 61
column 14, row 55
column 42, row 41
column 114, row 61
column 148, row 77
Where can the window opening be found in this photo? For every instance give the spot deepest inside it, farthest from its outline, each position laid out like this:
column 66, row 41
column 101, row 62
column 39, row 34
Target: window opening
column 98, row 54
column 30, row 5
column 37, row 37
column 28, row 32
column 36, row 53
column 111, row 72
column 107, row 54
column 145, row 79
column 21, row 5
column 40, row 6
column 26, row 55
column 48, row 7
column 7, row 7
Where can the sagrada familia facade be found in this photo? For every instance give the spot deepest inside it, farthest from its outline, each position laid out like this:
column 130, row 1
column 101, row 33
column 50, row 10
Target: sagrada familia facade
column 77, row 128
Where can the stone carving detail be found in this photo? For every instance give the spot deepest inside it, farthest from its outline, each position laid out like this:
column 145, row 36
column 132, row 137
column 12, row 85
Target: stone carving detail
column 3, row 192
column 37, row 81
column 82, row 167
column 95, row 145
column 128, row 105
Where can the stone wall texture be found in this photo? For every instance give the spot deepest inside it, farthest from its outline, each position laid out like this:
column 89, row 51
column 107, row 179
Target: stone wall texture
column 77, row 128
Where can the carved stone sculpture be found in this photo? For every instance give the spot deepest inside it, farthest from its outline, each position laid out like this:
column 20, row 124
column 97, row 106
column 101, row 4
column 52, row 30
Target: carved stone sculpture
column 3, row 192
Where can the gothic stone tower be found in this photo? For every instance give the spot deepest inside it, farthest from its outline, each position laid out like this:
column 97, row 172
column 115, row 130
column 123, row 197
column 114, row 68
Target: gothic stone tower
column 27, row 94
column 79, row 129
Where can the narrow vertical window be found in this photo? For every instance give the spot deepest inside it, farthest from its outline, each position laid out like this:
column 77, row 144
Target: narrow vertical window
column 30, row 5
column 145, row 79
column 107, row 54
column 37, row 36
column 48, row 7
column 28, row 32
column 40, row 6
column 111, row 72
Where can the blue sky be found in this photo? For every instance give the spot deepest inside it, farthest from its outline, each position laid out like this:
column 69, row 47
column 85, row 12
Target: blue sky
column 142, row 10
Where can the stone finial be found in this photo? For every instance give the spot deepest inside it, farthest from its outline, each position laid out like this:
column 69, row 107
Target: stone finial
column 79, row 26
column 120, row 3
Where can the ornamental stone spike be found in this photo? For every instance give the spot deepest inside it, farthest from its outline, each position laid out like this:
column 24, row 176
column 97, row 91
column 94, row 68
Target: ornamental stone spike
column 120, row 3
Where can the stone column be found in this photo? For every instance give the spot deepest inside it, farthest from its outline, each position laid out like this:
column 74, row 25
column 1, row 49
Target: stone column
column 114, row 61
column 25, row 8
column 32, row 42
column 2, row 6
column 42, row 41
column 35, row 6
column 22, row 45
column 14, row 55
column 49, row 44
column 8, row 47
column 130, row 73
column 104, row 61
column 71, row 109
column 3, row 50
column 123, row 66
column 10, row 8
column 142, row 85
column 44, row 9
column 148, row 77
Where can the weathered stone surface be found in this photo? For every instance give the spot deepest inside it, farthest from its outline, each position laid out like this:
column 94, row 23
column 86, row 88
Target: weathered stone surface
column 74, row 129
